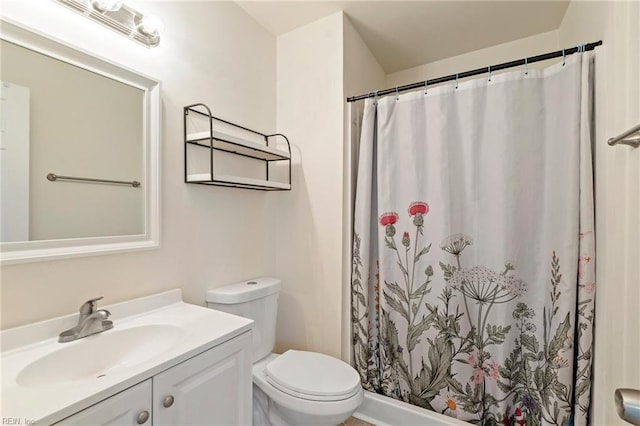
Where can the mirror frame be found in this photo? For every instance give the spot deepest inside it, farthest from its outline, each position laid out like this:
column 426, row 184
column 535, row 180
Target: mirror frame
column 32, row 251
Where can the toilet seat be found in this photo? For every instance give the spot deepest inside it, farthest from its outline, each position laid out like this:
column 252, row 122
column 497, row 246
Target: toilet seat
column 312, row 376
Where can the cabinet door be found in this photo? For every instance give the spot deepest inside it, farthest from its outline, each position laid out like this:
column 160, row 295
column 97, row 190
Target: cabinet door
column 213, row 388
column 122, row 409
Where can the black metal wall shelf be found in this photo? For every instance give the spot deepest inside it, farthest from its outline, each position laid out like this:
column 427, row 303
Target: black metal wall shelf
column 215, row 140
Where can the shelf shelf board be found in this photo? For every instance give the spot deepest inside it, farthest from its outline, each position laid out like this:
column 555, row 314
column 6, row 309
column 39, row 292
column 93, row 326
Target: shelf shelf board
column 237, row 181
column 234, row 144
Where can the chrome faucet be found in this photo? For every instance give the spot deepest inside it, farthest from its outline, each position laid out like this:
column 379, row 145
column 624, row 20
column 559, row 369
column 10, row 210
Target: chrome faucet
column 90, row 321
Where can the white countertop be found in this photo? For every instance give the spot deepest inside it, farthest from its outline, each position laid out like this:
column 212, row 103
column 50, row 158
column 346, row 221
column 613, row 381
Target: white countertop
column 200, row 329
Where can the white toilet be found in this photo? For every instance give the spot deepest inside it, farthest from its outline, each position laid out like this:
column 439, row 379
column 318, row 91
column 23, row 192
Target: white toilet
column 296, row 388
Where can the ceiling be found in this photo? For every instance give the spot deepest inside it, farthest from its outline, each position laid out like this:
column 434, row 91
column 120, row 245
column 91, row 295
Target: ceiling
column 405, row 34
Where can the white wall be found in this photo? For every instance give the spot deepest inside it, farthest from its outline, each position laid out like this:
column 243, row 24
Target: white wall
column 362, row 72
column 517, row 49
column 319, row 65
column 617, row 171
column 307, row 222
column 210, row 52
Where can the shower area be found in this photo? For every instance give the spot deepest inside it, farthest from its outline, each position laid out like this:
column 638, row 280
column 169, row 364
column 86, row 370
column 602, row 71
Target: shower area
column 473, row 254
column 462, row 232
column 473, row 242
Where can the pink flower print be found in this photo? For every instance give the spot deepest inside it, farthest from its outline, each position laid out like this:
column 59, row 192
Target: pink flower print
column 589, row 287
column 471, row 360
column 478, row 375
column 418, row 210
column 389, row 218
column 582, row 264
column 406, row 241
column 494, row 369
column 418, row 207
column 559, row 362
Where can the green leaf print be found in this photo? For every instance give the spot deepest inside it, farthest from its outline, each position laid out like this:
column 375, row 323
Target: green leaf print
column 476, row 350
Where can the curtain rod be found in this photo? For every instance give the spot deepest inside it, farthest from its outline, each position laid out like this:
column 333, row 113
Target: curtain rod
column 478, row 71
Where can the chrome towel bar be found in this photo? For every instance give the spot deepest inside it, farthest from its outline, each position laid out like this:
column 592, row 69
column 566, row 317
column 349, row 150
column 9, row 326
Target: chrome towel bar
column 631, row 137
column 53, row 177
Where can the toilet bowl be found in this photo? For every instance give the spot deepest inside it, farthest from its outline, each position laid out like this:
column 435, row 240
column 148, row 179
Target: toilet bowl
column 297, row 388
column 287, row 403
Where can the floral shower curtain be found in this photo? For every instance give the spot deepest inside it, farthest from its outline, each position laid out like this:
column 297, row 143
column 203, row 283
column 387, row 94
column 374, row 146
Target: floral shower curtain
column 473, row 254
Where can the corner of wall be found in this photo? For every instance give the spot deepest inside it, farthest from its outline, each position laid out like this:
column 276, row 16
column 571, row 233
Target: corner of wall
column 310, row 88
column 361, row 73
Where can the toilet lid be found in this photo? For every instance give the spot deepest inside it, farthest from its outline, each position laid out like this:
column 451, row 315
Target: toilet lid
column 313, row 376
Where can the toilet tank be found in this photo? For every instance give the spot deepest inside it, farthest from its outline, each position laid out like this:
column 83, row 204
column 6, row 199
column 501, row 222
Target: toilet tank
column 256, row 299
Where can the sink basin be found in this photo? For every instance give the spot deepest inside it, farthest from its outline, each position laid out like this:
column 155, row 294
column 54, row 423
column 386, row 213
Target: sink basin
column 96, row 356
column 46, row 381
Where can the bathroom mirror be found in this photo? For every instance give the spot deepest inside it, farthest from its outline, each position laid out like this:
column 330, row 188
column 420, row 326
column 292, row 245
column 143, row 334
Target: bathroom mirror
column 79, row 151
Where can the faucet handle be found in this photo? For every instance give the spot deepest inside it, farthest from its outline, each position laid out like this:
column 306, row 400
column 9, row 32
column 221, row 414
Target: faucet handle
column 89, row 306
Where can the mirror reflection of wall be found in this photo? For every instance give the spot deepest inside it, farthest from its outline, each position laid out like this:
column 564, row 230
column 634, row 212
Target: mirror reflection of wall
column 71, row 122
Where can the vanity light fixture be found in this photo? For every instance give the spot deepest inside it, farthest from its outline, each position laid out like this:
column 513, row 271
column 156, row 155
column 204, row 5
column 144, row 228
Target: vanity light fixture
column 148, row 25
column 106, row 5
column 120, row 17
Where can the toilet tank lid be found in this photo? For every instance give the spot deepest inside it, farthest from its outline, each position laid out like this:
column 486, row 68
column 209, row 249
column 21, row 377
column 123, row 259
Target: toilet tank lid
column 244, row 291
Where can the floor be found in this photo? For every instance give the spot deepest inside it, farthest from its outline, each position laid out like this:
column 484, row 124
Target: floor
column 352, row 421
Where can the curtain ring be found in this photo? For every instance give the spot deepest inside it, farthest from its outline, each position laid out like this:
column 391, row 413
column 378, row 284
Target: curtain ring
column 564, row 58
column 526, row 66
column 456, row 81
column 375, row 98
column 397, row 94
column 425, row 87
column 489, row 72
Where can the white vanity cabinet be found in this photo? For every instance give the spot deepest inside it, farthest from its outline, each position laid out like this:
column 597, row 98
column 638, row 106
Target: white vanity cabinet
column 181, row 363
column 211, row 388
column 129, row 407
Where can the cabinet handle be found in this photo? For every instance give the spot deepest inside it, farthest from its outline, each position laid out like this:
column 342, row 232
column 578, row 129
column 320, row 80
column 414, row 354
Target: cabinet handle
column 168, row 401
column 143, row 416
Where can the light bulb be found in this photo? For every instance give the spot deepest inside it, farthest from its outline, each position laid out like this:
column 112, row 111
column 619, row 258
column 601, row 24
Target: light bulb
column 149, row 25
column 106, row 5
